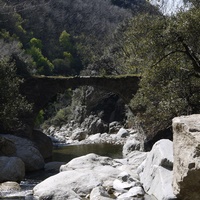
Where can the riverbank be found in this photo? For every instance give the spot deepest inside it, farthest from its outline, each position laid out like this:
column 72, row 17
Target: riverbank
column 133, row 176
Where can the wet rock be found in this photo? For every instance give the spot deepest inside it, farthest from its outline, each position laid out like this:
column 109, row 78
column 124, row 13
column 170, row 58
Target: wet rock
column 53, row 166
column 11, row 169
column 186, row 180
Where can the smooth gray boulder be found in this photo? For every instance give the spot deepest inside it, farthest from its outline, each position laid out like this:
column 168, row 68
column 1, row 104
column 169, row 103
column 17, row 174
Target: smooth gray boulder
column 11, row 169
column 9, row 186
column 27, row 151
column 43, row 143
column 7, row 147
column 156, row 171
column 186, row 180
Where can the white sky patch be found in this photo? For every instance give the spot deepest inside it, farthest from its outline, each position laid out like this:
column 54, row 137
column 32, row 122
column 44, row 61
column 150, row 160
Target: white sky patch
column 170, row 7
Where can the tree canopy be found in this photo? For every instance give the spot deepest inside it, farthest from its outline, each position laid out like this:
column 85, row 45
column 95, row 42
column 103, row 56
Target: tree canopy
column 165, row 51
column 105, row 37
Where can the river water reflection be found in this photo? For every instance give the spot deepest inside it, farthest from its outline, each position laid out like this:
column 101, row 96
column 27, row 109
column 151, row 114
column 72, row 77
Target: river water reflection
column 67, row 153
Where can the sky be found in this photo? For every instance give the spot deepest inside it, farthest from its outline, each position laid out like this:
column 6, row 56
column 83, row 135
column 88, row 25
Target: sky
column 169, row 7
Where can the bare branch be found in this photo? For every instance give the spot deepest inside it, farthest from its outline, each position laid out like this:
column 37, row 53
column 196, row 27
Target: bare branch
column 165, row 56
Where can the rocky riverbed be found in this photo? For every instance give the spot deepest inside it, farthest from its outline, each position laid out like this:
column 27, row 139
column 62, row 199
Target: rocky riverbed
column 132, row 177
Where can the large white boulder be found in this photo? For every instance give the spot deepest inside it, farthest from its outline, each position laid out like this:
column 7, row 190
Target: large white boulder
column 156, row 171
column 80, row 181
column 90, row 175
column 28, row 152
column 186, row 181
column 88, row 161
column 11, row 169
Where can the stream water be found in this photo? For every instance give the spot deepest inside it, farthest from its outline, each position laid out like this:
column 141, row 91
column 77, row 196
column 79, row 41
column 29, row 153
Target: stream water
column 62, row 154
column 67, row 153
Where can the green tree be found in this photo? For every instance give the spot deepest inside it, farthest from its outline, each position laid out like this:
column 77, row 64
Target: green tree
column 12, row 103
column 165, row 50
column 43, row 64
column 65, row 41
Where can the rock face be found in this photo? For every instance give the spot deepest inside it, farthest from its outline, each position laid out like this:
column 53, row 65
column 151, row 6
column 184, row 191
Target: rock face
column 11, row 169
column 186, row 181
column 156, row 171
column 27, row 152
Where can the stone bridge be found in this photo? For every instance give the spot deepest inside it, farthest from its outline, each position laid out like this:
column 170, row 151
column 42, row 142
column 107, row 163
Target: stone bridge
column 39, row 90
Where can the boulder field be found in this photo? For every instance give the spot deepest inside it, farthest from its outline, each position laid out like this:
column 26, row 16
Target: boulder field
column 19, row 155
column 169, row 171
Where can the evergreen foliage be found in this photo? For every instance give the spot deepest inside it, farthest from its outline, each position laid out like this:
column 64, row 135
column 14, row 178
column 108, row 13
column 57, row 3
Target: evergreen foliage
column 12, row 104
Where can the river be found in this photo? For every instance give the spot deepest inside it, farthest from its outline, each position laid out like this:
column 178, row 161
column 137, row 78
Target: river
column 61, row 154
